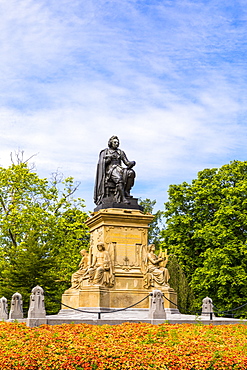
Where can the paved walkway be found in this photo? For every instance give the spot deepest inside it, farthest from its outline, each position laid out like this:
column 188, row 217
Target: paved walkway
column 133, row 315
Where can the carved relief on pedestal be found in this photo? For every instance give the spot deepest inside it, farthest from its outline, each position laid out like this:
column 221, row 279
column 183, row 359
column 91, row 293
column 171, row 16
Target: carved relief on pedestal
column 91, row 248
column 111, row 247
column 128, row 241
column 126, row 266
column 108, row 232
column 137, row 254
column 78, row 276
column 99, row 235
column 153, row 267
column 96, row 237
column 101, row 270
column 96, row 269
column 144, row 235
column 91, row 239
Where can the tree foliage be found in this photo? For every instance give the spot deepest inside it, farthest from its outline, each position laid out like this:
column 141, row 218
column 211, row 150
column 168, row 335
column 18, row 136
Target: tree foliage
column 180, row 284
column 156, row 225
column 178, row 280
column 41, row 233
column 207, row 231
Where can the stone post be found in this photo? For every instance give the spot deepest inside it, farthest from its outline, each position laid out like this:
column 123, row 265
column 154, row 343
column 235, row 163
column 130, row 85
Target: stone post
column 207, row 307
column 16, row 309
column 36, row 313
column 156, row 309
column 3, row 309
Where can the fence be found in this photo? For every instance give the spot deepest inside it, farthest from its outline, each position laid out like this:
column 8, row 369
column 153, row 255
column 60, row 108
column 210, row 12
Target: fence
column 156, row 307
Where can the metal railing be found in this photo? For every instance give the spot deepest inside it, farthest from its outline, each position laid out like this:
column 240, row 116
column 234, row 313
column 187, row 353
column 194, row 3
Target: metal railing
column 110, row 311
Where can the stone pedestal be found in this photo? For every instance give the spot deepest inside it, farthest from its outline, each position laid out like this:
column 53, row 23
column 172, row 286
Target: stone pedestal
column 90, row 296
column 124, row 233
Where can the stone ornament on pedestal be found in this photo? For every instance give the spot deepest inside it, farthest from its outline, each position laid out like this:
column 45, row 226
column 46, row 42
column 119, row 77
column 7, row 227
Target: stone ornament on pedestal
column 156, row 310
column 3, row 309
column 16, row 308
column 36, row 313
column 207, row 307
column 37, row 303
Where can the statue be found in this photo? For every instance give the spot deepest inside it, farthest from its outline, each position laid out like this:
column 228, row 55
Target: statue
column 77, row 276
column 100, row 272
column 113, row 180
column 154, row 268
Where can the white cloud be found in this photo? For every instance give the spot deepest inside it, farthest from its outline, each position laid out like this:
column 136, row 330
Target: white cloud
column 167, row 77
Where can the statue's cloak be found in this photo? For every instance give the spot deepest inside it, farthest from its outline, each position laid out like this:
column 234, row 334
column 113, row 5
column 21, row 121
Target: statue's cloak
column 99, row 188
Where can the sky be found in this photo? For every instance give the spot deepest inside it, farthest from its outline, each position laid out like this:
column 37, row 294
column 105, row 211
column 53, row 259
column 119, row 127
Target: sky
column 168, row 77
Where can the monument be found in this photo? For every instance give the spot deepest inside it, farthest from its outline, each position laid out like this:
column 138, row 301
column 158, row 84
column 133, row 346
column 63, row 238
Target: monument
column 113, row 181
column 120, row 268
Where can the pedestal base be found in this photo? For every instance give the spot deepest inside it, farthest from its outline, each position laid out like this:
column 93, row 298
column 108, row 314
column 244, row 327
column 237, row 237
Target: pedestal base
column 124, row 234
column 91, row 296
column 110, row 203
column 101, row 298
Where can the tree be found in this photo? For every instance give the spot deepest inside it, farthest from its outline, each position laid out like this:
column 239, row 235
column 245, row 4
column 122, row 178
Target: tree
column 207, row 231
column 178, row 279
column 156, row 224
column 42, row 230
column 180, row 284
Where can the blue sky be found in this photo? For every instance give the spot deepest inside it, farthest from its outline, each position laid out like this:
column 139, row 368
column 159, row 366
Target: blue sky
column 168, row 77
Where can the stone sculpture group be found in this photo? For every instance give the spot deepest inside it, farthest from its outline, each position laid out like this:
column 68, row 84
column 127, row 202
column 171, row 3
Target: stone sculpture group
column 120, row 268
column 112, row 189
column 100, row 272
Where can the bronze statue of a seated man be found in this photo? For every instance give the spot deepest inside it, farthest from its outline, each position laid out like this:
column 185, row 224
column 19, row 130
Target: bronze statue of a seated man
column 111, row 172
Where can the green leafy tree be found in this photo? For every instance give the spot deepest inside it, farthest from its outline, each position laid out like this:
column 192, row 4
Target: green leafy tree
column 156, row 225
column 178, row 280
column 207, row 230
column 42, row 229
column 180, row 284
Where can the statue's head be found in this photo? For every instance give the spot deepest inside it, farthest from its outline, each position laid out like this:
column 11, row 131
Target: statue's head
column 101, row 246
column 83, row 252
column 151, row 248
column 113, row 142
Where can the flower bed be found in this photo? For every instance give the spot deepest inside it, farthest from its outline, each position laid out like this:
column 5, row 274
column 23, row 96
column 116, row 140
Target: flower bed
column 126, row 346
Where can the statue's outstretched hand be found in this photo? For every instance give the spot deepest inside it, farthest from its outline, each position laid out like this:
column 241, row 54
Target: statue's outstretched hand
column 131, row 164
